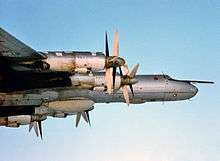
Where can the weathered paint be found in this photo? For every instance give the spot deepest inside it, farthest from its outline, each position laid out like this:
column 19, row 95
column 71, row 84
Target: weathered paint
column 71, row 106
column 91, row 81
column 75, row 61
column 146, row 90
column 16, row 121
column 63, row 101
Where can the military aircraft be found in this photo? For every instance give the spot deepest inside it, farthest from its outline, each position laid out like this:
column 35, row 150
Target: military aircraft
column 35, row 85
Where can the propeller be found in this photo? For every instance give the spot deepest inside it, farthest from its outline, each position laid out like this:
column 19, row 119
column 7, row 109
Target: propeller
column 85, row 115
column 112, row 62
column 34, row 124
column 40, row 129
column 37, row 126
column 127, row 80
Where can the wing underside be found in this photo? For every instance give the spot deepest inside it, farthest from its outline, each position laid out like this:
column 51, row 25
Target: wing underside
column 14, row 49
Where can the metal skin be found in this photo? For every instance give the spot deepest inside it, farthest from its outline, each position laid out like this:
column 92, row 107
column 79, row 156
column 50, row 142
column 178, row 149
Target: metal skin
column 34, row 85
column 61, row 102
column 16, row 121
column 148, row 88
column 95, row 81
column 74, row 61
column 78, row 61
column 70, row 106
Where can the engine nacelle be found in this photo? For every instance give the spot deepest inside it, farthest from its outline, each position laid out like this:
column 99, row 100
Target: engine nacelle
column 83, row 81
column 21, row 119
column 69, row 107
column 94, row 81
column 59, row 114
column 77, row 62
column 16, row 121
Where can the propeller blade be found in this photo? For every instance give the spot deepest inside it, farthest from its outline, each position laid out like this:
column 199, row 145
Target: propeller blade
column 120, row 71
column 108, row 80
column 128, row 80
column 116, row 45
column 36, row 128
column 85, row 117
column 106, row 45
column 87, row 114
column 40, row 129
column 31, row 126
column 134, row 71
column 113, row 76
column 125, row 69
column 78, row 116
column 35, row 125
column 131, row 88
column 125, row 93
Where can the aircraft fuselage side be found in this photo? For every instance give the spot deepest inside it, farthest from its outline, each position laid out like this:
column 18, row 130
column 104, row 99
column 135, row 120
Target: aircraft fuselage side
column 149, row 88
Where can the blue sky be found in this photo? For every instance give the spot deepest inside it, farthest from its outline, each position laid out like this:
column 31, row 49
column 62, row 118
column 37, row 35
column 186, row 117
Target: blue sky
column 180, row 38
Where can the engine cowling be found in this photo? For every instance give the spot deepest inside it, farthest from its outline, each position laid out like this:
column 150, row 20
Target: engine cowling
column 16, row 121
column 92, row 81
column 69, row 106
column 77, row 62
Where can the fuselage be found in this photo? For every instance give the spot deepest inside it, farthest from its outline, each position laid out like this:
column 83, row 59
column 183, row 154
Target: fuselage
column 23, row 107
column 149, row 88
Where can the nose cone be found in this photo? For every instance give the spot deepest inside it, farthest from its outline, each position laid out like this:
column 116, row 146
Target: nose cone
column 180, row 90
column 193, row 90
column 185, row 90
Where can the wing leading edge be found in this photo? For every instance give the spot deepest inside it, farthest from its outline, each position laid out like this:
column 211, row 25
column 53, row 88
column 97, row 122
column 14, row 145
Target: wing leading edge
column 14, row 49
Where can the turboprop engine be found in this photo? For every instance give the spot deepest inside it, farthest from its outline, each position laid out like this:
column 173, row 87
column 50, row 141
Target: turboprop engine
column 68, row 107
column 16, row 121
column 79, row 106
column 75, row 62
column 95, row 81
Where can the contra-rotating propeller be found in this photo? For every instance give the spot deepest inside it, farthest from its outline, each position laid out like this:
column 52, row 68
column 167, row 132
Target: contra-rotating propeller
column 127, row 80
column 85, row 115
column 37, row 126
column 112, row 62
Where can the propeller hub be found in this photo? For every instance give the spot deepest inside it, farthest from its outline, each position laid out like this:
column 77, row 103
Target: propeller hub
column 128, row 81
column 114, row 61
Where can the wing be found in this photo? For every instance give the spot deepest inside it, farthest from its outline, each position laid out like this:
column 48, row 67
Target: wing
column 13, row 49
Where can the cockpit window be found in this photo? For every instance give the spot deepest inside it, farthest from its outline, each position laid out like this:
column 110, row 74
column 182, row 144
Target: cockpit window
column 156, row 78
column 162, row 77
column 167, row 77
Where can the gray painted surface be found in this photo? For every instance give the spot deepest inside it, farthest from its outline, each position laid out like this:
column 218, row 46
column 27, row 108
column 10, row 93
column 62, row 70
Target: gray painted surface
column 149, row 88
